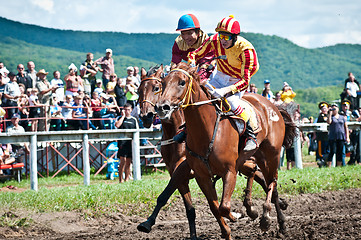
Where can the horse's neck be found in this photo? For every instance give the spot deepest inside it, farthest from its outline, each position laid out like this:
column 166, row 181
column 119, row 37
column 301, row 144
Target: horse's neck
column 200, row 119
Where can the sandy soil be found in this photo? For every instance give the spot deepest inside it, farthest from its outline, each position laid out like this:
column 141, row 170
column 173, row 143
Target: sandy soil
column 329, row 215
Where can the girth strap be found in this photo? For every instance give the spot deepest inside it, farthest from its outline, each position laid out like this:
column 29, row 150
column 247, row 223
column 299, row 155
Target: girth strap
column 205, row 159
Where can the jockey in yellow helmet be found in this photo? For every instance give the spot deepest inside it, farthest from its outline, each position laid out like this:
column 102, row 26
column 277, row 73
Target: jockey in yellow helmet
column 236, row 63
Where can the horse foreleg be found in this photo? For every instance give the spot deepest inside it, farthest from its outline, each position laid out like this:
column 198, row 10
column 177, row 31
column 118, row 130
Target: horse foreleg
column 249, row 169
column 265, row 220
column 179, row 176
column 209, row 191
column 229, row 183
column 247, row 202
column 190, row 211
column 280, row 217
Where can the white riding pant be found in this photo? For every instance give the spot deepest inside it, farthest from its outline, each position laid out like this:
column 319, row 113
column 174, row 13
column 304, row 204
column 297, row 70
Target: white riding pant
column 221, row 80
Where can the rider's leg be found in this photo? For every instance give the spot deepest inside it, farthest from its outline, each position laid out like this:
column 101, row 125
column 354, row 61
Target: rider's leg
column 251, row 138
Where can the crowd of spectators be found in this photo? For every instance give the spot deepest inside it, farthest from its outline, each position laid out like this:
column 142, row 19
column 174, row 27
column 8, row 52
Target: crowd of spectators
column 339, row 140
column 79, row 100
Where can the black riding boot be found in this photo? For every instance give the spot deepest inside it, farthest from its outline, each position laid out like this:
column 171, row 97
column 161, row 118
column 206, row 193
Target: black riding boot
column 181, row 136
column 251, row 138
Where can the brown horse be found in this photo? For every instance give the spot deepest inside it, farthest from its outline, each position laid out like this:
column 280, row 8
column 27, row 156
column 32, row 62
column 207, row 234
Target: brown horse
column 173, row 153
column 214, row 148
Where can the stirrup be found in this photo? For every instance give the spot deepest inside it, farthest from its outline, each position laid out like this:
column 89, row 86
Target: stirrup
column 180, row 137
column 251, row 144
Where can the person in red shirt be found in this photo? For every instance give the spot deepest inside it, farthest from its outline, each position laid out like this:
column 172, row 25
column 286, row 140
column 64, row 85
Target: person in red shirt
column 191, row 38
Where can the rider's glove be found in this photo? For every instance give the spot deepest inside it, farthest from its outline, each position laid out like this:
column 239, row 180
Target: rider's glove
column 221, row 92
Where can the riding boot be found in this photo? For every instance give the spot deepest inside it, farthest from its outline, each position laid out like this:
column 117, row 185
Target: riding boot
column 180, row 136
column 251, row 139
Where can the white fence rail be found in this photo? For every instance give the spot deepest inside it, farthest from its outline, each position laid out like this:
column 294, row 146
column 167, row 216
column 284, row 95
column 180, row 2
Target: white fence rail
column 33, row 138
column 112, row 135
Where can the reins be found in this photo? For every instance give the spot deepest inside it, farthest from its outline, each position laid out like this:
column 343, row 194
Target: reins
column 186, row 102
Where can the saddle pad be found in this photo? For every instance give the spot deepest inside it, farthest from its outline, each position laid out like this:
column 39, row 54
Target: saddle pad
column 254, row 119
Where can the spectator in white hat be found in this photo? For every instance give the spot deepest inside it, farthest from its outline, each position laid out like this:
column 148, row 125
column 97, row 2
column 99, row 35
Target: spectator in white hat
column 72, row 81
column 130, row 75
column 107, row 65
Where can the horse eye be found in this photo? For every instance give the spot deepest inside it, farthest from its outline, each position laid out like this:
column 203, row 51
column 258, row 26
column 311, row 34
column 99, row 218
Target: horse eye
column 182, row 83
column 156, row 89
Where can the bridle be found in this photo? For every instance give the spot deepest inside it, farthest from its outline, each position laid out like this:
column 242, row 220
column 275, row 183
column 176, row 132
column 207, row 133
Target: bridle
column 148, row 79
column 187, row 99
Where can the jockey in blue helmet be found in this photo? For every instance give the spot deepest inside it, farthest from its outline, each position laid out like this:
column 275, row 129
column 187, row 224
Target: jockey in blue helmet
column 191, row 38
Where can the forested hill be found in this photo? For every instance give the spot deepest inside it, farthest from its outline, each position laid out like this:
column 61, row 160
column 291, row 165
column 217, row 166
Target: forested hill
column 280, row 59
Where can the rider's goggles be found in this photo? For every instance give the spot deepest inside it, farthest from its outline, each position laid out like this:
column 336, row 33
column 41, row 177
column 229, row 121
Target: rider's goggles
column 225, row 37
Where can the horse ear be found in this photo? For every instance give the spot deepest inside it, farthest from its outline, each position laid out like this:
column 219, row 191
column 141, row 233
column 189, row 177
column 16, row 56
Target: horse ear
column 173, row 66
column 159, row 71
column 143, row 73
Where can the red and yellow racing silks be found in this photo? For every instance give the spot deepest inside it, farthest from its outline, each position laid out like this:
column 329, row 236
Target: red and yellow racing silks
column 241, row 60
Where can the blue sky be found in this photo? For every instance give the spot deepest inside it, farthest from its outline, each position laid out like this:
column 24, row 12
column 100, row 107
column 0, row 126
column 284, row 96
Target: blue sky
column 310, row 24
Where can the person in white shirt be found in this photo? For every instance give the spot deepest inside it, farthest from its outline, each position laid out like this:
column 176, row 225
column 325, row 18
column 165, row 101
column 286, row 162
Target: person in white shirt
column 351, row 90
column 58, row 82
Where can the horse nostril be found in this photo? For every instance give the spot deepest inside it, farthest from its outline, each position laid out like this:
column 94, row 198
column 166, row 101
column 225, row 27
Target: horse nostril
column 150, row 115
column 166, row 107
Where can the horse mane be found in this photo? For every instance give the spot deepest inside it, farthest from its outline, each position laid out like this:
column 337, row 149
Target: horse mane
column 291, row 129
column 152, row 70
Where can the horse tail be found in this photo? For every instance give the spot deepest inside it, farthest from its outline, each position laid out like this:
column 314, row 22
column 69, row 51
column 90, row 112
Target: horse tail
column 291, row 129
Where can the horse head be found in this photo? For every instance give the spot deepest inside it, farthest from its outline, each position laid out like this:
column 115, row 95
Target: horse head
column 149, row 92
column 178, row 88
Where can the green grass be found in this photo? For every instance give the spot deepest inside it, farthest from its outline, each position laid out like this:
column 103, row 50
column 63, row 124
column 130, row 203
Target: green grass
column 67, row 193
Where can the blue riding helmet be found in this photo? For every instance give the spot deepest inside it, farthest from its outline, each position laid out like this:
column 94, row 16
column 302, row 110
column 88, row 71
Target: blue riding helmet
column 187, row 22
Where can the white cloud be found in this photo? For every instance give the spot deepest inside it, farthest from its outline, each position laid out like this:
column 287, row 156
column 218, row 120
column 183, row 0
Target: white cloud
column 47, row 5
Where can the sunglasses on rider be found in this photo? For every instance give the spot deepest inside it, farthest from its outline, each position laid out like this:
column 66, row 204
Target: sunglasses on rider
column 225, row 37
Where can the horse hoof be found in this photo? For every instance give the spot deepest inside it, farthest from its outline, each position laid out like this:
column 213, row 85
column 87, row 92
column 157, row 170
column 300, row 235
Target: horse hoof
column 145, row 227
column 265, row 224
column 253, row 214
column 231, row 217
column 283, row 203
column 282, row 228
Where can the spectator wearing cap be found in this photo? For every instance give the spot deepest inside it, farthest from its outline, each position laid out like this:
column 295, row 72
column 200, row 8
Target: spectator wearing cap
column 98, row 87
column 107, row 65
column 45, row 92
column 287, row 94
column 338, row 135
column 267, row 93
column 23, row 78
column 58, row 82
column 31, row 72
column 12, row 94
column 72, row 81
column 322, row 137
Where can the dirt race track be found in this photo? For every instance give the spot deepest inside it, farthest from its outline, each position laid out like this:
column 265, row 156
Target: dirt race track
column 330, row 215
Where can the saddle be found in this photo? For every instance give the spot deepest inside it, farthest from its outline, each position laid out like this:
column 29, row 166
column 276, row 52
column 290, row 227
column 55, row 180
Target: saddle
column 250, row 115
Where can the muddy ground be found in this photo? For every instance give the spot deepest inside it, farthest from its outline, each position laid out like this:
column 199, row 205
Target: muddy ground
column 329, row 215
